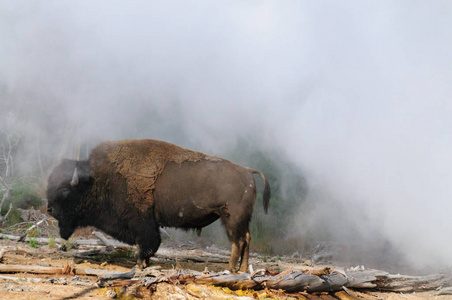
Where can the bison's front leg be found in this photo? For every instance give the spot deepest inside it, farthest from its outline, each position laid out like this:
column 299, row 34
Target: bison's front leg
column 147, row 236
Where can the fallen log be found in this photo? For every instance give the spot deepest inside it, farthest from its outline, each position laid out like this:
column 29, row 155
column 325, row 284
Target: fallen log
column 103, row 239
column 80, row 242
column 293, row 282
column 93, row 272
column 445, row 291
column 365, row 279
column 20, row 279
column 35, row 269
column 76, row 280
column 297, row 281
column 205, row 257
column 403, row 283
column 2, row 252
column 85, row 253
column 102, row 280
column 65, row 270
column 231, row 281
column 118, row 275
column 117, row 283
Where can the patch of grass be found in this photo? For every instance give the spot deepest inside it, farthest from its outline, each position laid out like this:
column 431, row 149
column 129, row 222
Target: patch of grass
column 70, row 243
column 52, row 243
column 32, row 242
column 34, row 232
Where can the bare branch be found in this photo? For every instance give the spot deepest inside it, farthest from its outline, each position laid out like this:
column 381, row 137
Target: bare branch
column 22, row 237
column 5, row 218
column 8, row 143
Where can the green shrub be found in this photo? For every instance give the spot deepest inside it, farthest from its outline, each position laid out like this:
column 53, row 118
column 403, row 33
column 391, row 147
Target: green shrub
column 33, row 242
column 13, row 217
column 25, row 195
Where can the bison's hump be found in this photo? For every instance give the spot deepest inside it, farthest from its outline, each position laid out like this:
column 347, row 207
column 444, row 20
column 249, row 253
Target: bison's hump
column 139, row 163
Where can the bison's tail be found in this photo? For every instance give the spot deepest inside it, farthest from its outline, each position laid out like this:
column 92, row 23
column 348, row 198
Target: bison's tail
column 267, row 191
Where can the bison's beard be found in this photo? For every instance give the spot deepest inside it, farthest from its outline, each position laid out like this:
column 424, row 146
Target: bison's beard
column 66, row 231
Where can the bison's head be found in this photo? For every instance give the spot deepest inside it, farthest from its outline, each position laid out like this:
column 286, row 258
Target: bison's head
column 67, row 189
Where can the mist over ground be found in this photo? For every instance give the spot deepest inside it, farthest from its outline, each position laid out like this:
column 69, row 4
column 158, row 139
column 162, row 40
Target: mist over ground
column 357, row 96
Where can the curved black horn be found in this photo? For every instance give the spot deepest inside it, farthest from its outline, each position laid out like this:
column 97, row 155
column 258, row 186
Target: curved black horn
column 75, row 180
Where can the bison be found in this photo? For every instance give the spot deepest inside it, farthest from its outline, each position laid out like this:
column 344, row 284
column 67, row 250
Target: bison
column 130, row 188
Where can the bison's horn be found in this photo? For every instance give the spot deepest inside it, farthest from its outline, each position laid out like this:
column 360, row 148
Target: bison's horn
column 75, row 180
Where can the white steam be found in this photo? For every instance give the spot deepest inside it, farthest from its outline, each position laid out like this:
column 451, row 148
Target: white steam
column 358, row 94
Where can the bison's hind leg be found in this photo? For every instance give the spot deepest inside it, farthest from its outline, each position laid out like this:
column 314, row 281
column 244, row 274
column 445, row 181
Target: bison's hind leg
column 240, row 250
column 239, row 236
column 245, row 253
column 148, row 240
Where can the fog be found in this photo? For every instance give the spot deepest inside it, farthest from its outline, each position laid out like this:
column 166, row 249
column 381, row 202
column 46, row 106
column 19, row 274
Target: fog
column 356, row 95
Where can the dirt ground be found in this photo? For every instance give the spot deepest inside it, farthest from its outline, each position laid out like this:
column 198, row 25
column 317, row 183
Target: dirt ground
column 29, row 286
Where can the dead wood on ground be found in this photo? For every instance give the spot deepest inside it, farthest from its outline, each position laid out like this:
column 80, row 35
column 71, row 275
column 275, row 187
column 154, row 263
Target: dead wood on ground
column 328, row 280
column 104, row 240
column 66, row 269
column 182, row 256
column 2, row 252
column 20, row 279
column 193, row 255
column 297, row 281
column 79, row 242
column 336, row 282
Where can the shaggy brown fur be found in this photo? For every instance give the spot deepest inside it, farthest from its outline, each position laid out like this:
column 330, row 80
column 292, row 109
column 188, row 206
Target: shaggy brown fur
column 139, row 162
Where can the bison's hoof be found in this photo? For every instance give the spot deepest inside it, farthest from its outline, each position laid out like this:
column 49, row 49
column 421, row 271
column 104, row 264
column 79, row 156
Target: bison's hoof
column 142, row 264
